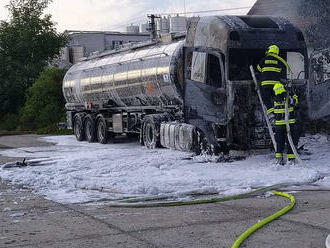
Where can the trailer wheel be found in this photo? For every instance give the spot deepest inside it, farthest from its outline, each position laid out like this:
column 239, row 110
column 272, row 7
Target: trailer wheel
column 90, row 129
column 151, row 133
column 78, row 128
column 101, row 131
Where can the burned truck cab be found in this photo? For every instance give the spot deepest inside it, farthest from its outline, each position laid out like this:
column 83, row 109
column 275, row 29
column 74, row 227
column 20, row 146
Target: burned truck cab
column 219, row 94
column 318, row 88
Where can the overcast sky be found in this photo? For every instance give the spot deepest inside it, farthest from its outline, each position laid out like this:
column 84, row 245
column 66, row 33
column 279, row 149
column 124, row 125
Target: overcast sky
column 116, row 14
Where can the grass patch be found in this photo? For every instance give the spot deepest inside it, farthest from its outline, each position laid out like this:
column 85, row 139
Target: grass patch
column 54, row 130
column 6, row 133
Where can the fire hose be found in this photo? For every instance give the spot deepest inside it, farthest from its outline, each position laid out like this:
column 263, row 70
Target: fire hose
column 267, row 220
column 143, row 203
column 288, row 131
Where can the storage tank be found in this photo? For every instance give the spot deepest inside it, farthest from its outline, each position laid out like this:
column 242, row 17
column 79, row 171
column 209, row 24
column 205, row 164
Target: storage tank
column 65, row 54
column 163, row 25
column 132, row 29
column 151, row 76
column 144, row 28
column 178, row 24
column 77, row 53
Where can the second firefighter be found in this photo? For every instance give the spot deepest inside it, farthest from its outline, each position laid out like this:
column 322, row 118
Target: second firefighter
column 280, row 123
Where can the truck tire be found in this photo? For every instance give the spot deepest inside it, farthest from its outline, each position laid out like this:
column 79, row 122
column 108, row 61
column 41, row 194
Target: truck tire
column 78, row 127
column 89, row 125
column 151, row 136
column 101, row 131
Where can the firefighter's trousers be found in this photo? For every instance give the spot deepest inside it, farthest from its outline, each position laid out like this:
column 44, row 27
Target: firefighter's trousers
column 282, row 140
column 267, row 95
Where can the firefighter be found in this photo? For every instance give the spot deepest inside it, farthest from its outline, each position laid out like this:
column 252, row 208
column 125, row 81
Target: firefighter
column 272, row 68
column 280, row 124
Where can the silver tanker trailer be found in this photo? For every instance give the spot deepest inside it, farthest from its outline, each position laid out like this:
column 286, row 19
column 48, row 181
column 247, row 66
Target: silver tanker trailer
column 189, row 93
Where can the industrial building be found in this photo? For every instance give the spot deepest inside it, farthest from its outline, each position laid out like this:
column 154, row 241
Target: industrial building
column 84, row 43
column 171, row 24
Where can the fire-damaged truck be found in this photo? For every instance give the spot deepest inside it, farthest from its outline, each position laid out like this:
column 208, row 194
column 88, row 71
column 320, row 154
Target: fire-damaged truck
column 188, row 93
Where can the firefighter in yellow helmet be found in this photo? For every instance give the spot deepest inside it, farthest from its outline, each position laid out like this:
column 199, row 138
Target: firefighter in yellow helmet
column 273, row 68
column 280, row 124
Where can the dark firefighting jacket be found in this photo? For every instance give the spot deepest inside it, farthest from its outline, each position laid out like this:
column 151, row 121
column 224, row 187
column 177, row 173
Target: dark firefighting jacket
column 272, row 68
column 279, row 108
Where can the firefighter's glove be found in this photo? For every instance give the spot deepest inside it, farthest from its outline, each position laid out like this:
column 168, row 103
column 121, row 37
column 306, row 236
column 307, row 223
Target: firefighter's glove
column 294, row 100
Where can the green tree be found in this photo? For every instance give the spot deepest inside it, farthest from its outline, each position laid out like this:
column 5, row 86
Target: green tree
column 44, row 104
column 28, row 43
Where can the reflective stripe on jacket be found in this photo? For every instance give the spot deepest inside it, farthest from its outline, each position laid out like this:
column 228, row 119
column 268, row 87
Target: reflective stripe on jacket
column 279, row 109
column 273, row 68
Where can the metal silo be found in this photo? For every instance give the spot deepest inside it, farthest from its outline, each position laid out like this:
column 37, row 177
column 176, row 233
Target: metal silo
column 163, row 25
column 178, row 24
column 77, row 53
column 65, row 54
column 132, row 29
column 144, row 28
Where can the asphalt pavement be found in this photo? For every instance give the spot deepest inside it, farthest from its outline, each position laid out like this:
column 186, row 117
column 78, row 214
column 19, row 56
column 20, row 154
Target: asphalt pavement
column 29, row 220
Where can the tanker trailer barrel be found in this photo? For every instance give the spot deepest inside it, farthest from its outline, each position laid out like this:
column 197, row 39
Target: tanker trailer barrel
column 113, row 94
column 147, row 77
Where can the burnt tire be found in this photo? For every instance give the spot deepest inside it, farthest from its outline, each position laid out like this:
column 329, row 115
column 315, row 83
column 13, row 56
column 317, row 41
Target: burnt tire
column 151, row 135
column 78, row 127
column 102, row 134
column 89, row 126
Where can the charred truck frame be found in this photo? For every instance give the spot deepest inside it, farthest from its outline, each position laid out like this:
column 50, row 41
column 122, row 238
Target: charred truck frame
column 187, row 94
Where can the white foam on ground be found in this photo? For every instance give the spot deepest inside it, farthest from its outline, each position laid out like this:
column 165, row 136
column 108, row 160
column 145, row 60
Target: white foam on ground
column 81, row 171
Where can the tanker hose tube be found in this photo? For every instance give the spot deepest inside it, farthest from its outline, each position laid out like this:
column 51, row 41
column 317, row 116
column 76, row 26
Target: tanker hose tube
column 141, row 203
column 265, row 221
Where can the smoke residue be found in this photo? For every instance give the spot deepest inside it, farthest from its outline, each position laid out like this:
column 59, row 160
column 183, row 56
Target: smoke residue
column 311, row 16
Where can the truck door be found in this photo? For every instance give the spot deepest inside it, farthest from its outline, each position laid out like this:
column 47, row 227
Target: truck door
column 318, row 90
column 205, row 97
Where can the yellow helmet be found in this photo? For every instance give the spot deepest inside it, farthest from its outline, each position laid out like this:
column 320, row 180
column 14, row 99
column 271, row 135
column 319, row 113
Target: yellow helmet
column 273, row 49
column 279, row 89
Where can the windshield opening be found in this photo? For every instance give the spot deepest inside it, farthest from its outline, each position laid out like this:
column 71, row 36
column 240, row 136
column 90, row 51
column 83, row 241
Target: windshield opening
column 241, row 59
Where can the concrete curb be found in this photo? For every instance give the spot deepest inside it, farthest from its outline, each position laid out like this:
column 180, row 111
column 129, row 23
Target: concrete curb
column 327, row 242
